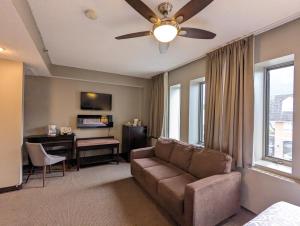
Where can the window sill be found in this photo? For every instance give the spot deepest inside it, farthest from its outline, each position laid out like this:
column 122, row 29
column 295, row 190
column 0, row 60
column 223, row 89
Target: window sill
column 274, row 167
column 199, row 145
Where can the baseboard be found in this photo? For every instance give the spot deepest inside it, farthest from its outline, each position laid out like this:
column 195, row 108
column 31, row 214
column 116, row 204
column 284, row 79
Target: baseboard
column 11, row 188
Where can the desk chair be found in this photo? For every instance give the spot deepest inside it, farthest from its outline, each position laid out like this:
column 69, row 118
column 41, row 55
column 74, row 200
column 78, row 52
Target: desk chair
column 40, row 158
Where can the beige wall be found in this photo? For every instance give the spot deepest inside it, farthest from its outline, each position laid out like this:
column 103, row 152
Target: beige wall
column 183, row 76
column 109, row 79
column 56, row 100
column 259, row 189
column 11, row 121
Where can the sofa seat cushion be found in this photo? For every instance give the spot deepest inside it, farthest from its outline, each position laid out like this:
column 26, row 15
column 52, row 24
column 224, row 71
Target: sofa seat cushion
column 137, row 166
column 181, row 155
column 209, row 162
column 163, row 148
column 146, row 162
column 171, row 191
column 154, row 174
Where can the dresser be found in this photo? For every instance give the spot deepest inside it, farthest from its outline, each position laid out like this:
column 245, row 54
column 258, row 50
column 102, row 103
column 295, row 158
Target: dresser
column 133, row 137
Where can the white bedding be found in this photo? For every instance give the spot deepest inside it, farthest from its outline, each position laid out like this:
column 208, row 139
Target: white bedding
column 279, row 214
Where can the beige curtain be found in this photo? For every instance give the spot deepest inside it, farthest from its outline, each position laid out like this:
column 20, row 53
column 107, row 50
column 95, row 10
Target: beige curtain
column 156, row 106
column 230, row 101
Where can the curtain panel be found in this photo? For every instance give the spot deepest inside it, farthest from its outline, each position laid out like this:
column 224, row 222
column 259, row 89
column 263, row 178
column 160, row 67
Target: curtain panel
column 230, row 101
column 156, row 117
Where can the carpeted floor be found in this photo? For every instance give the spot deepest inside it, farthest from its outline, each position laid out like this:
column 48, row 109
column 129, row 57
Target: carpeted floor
column 102, row 195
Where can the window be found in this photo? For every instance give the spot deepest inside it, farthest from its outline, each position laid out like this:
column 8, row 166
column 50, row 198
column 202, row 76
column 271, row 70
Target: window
column 201, row 112
column 196, row 111
column 278, row 108
column 174, row 112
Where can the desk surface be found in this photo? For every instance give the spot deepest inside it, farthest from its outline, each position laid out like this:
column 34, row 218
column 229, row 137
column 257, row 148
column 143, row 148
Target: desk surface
column 94, row 142
column 46, row 138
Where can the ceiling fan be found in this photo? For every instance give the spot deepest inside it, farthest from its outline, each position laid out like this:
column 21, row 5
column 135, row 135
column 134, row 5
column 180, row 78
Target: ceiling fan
column 166, row 29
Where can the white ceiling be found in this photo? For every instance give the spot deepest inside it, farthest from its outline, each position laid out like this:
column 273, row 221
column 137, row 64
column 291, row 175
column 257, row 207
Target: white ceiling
column 75, row 41
column 17, row 41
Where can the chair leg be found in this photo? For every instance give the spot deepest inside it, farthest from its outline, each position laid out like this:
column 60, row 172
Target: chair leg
column 44, row 174
column 30, row 173
column 64, row 167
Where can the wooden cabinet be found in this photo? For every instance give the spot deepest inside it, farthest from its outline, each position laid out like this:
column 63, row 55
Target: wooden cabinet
column 133, row 137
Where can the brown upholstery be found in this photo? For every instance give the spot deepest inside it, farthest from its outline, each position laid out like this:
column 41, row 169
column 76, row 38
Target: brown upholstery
column 146, row 162
column 172, row 190
column 140, row 153
column 156, row 173
column 195, row 186
column 141, row 158
column 213, row 199
column 209, row 162
column 163, row 148
column 181, row 155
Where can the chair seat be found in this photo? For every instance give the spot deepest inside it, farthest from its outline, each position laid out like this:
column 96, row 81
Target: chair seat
column 52, row 159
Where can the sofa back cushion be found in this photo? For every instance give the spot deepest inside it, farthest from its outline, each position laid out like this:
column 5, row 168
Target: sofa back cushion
column 163, row 148
column 181, row 155
column 209, row 162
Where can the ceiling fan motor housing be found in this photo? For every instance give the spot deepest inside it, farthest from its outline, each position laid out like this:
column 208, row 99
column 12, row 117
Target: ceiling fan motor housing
column 166, row 21
column 165, row 8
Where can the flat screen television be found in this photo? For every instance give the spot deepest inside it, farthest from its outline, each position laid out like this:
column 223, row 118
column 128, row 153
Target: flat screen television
column 95, row 101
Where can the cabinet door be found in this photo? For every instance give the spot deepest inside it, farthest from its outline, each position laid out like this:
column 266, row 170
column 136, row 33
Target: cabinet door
column 140, row 137
column 126, row 146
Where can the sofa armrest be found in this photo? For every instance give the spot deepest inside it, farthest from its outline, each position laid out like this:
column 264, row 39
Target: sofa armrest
column 140, row 153
column 213, row 199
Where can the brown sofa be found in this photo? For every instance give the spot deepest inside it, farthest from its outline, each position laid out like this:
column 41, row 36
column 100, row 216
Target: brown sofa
column 196, row 186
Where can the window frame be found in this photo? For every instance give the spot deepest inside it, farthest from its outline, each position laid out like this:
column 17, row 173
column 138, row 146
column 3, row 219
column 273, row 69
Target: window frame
column 201, row 113
column 266, row 111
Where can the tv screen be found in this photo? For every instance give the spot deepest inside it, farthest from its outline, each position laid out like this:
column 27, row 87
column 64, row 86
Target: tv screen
column 95, row 101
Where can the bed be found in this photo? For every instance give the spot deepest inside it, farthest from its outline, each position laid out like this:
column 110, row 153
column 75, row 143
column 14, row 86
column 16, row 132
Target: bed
column 279, row 214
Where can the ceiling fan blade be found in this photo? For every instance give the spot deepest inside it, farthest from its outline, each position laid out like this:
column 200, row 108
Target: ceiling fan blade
column 163, row 47
column 134, row 35
column 189, row 32
column 144, row 10
column 191, row 9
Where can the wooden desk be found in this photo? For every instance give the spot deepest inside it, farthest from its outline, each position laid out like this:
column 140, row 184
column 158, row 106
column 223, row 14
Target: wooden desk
column 93, row 143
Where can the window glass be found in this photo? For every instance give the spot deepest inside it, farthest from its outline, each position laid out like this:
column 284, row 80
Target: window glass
column 174, row 112
column 279, row 112
column 201, row 112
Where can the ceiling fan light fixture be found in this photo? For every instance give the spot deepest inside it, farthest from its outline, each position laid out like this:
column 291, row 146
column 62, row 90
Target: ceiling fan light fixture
column 166, row 31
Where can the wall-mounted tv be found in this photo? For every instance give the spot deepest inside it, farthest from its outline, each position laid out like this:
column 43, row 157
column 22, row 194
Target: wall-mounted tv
column 95, row 101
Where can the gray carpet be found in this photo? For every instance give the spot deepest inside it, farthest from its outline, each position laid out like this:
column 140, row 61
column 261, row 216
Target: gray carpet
column 102, row 195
